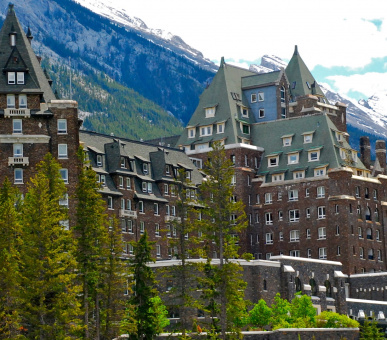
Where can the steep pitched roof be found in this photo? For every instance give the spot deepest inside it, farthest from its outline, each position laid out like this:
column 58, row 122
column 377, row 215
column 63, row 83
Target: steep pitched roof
column 21, row 57
column 300, row 79
column 261, row 79
column 224, row 92
column 270, row 136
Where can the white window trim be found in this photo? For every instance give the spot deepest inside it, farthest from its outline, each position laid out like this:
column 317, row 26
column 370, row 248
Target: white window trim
column 299, row 174
column 13, row 126
column 11, row 78
column 310, row 156
column 270, row 158
column 62, row 131
column 210, row 112
column 287, row 141
column 191, row 132
column 20, row 78
column 219, row 127
column 296, row 160
column 62, row 151
column 206, row 133
column 253, row 98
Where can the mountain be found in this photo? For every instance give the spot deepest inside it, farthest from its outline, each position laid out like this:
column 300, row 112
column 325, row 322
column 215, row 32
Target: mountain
column 120, row 54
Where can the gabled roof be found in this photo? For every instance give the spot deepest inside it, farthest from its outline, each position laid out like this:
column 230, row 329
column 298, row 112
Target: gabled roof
column 35, row 80
column 268, row 135
column 299, row 77
column 261, row 79
column 224, row 92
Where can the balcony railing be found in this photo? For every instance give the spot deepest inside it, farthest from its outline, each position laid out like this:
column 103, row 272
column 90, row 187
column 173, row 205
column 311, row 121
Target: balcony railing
column 128, row 213
column 169, row 218
column 17, row 113
column 18, row 161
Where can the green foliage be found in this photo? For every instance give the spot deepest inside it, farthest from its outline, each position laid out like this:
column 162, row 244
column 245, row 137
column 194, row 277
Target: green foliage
column 260, row 315
column 280, row 313
column 302, row 311
column 50, row 307
column 10, row 261
column 335, row 320
column 370, row 330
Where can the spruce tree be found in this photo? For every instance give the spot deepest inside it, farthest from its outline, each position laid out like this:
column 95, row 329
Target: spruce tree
column 10, row 243
column 224, row 220
column 50, row 307
column 91, row 233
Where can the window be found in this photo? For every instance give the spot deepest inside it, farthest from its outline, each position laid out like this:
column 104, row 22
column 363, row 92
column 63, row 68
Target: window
column 128, row 204
column 261, row 96
column 269, row 238
column 338, row 252
column 62, row 126
column 306, row 192
column 361, row 252
column 253, row 98
column 309, row 253
column 368, row 214
column 319, row 172
column 245, row 128
column 157, row 229
column 281, row 236
column 298, row 174
column 11, row 78
column 358, row 210
column 99, row 160
column 173, row 210
column 123, row 163
column 20, row 78
column 156, row 208
column 337, row 230
column 273, row 161
column 375, row 194
column 280, row 216
column 206, row 130
column 294, row 236
column 293, row 158
column 308, row 138
column 320, row 192
column 62, row 151
column 282, row 94
column 102, row 179
column 121, row 181
column 293, row 195
column 261, row 113
column 110, row 202
column 277, row 177
column 294, row 215
column 322, row 233
column 268, row 198
column 269, row 218
column 295, row 253
column 379, row 255
column 128, row 183
column 314, row 155
column 322, row 253
column 307, row 212
column 369, row 234
column 10, row 101
column 144, row 187
column 142, row 227
column 336, row 208
column 150, row 187
column 17, row 126
column 22, row 101
column 357, row 191
column 122, row 203
column 220, row 128
column 287, row 141
column 141, row 206
column 370, row 254
column 18, row 176
column 210, row 112
column 366, row 193
column 321, row 212
column 308, row 233
column 191, row 133
column 245, row 112
column 65, row 175
column 360, row 232
column 377, row 235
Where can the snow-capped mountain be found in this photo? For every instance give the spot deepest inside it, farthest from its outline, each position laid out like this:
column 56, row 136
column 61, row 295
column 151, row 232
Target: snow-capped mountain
column 269, row 63
column 157, row 36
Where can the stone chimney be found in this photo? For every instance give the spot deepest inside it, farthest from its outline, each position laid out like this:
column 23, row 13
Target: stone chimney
column 365, row 151
column 380, row 150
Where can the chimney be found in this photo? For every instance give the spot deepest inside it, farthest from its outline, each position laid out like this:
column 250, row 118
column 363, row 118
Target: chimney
column 365, row 151
column 29, row 35
column 380, row 150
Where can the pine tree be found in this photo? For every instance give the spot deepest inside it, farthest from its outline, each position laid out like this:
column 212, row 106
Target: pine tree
column 145, row 307
column 50, row 307
column 10, row 243
column 224, row 219
column 91, row 232
column 369, row 330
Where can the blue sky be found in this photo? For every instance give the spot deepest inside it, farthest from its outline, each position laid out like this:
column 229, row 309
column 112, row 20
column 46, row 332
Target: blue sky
column 343, row 42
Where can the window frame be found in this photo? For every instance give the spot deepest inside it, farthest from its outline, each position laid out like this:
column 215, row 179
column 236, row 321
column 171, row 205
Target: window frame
column 11, row 78
column 17, row 130
column 62, row 151
column 18, row 176
column 62, row 130
column 20, row 78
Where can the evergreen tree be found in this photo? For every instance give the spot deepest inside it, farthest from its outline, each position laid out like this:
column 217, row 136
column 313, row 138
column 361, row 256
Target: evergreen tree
column 370, row 331
column 10, row 243
column 50, row 307
column 224, row 219
column 145, row 307
column 91, row 232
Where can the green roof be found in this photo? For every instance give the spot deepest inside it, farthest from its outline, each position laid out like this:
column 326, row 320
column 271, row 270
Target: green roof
column 261, row 79
column 301, row 81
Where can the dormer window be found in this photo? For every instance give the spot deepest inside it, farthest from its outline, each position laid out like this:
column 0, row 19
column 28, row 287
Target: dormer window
column 99, row 160
column 210, row 112
column 293, row 158
column 273, row 161
column 245, row 112
column 11, row 78
column 20, row 78
column 145, row 168
column 12, row 39
column 191, row 133
column 287, row 140
column 220, row 128
column 308, row 138
column 206, row 130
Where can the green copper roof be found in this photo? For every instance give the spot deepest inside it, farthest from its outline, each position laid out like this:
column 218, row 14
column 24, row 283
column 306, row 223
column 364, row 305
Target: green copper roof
column 224, row 88
column 260, row 79
column 268, row 135
column 301, row 81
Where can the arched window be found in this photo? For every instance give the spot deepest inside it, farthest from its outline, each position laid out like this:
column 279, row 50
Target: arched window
column 371, row 254
column 298, row 284
column 367, row 193
column 369, row 234
column 313, row 286
column 361, row 252
column 376, row 215
column 368, row 214
column 358, row 210
column 328, row 287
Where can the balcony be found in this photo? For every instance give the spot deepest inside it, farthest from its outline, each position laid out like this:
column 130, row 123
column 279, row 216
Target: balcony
column 169, row 218
column 18, row 161
column 128, row 213
column 24, row 113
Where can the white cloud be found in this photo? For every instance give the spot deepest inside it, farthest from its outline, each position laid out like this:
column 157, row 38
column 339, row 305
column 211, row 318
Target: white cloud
column 368, row 83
